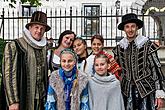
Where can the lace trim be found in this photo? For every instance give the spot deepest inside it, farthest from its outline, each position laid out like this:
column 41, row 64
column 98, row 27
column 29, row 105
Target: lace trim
column 34, row 42
column 160, row 94
column 139, row 41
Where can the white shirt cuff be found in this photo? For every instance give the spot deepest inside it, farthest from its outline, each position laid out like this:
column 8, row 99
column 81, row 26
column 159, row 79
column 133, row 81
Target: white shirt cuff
column 160, row 94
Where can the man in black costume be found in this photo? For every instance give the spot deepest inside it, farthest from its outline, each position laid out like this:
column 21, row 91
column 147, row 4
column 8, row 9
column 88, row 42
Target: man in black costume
column 143, row 83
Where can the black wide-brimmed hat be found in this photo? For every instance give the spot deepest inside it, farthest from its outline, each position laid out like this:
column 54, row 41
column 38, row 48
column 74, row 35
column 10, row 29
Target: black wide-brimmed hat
column 130, row 18
column 39, row 17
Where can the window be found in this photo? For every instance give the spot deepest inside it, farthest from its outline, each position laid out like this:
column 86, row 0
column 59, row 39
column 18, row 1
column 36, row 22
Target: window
column 91, row 21
column 28, row 10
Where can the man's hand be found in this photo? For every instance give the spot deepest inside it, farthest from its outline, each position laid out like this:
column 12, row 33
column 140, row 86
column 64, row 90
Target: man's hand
column 14, row 106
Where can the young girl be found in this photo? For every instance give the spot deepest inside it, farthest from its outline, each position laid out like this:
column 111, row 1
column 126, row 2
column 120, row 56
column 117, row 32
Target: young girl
column 104, row 88
column 97, row 44
column 80, row 48
column 67, row 86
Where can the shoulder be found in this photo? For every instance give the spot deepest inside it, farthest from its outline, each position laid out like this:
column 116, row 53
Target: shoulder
column 152, row 47
column 56, row 59
column 50, row 51
column 54, row 74
column 10, row 46
column 90, row 59
column 54, row 78
column 57, row 52
column 82, row 76
column 91, row 56
column 116, row 48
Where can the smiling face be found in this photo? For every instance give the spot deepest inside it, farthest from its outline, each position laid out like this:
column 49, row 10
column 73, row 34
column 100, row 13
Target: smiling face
column 130, row 30
column 67, row 40
column 101, row 66
column 37, row 31
column 96, row 46
column 79, row 47
column 67, row 61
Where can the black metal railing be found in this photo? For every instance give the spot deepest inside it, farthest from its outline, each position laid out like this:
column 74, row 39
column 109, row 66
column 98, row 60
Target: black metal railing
column 104, row 23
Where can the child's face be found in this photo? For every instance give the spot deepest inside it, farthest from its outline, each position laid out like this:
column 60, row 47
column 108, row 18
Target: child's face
column 101, row 66
column 96, row 46
column 79, row 47
column 67, row 61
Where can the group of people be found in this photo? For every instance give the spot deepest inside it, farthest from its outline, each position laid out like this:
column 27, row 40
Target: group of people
column 68, row 78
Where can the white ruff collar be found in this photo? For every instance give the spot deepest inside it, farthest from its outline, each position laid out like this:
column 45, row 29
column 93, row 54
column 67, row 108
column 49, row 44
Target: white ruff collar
column 28, row 37
column 139, row 41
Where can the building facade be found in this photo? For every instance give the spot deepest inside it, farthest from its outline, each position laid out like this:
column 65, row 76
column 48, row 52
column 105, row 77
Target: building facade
column 84, row 17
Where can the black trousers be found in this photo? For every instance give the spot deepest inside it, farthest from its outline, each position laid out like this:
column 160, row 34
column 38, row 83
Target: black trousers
column 38, row 104
column 135, row 102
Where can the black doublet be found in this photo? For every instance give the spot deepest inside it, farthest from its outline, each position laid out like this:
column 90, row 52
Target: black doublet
column 140, row 67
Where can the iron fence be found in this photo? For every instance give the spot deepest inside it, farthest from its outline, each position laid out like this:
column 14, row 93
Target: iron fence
column 84, row 23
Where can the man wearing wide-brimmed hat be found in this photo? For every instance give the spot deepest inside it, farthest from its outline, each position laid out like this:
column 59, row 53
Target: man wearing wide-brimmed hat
column 25, row 68
column 143, row 83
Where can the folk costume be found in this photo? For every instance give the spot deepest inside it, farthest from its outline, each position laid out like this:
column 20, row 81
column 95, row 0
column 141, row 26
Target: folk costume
column 105, row 93
column 67, row 92
column 25, row 68
column 142, row 78
column 80, row 60
column 87, row 65
column 81, row 57
column 53, row 57
column 53, row 60
column 67, row 89
column 89, row 68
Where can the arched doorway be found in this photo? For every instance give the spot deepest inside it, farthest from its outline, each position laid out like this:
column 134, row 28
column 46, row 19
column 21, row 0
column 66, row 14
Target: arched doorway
column 155, row 9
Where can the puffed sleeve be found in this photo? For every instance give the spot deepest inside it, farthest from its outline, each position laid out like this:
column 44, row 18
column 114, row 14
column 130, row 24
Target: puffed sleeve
column 156, row 70
column 9, row 73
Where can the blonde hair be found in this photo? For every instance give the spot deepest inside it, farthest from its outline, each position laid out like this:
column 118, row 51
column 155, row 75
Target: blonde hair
column 101, row 56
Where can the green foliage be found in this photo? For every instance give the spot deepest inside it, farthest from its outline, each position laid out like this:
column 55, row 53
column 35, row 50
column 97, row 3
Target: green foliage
column 31, row 2
column 2, row 45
